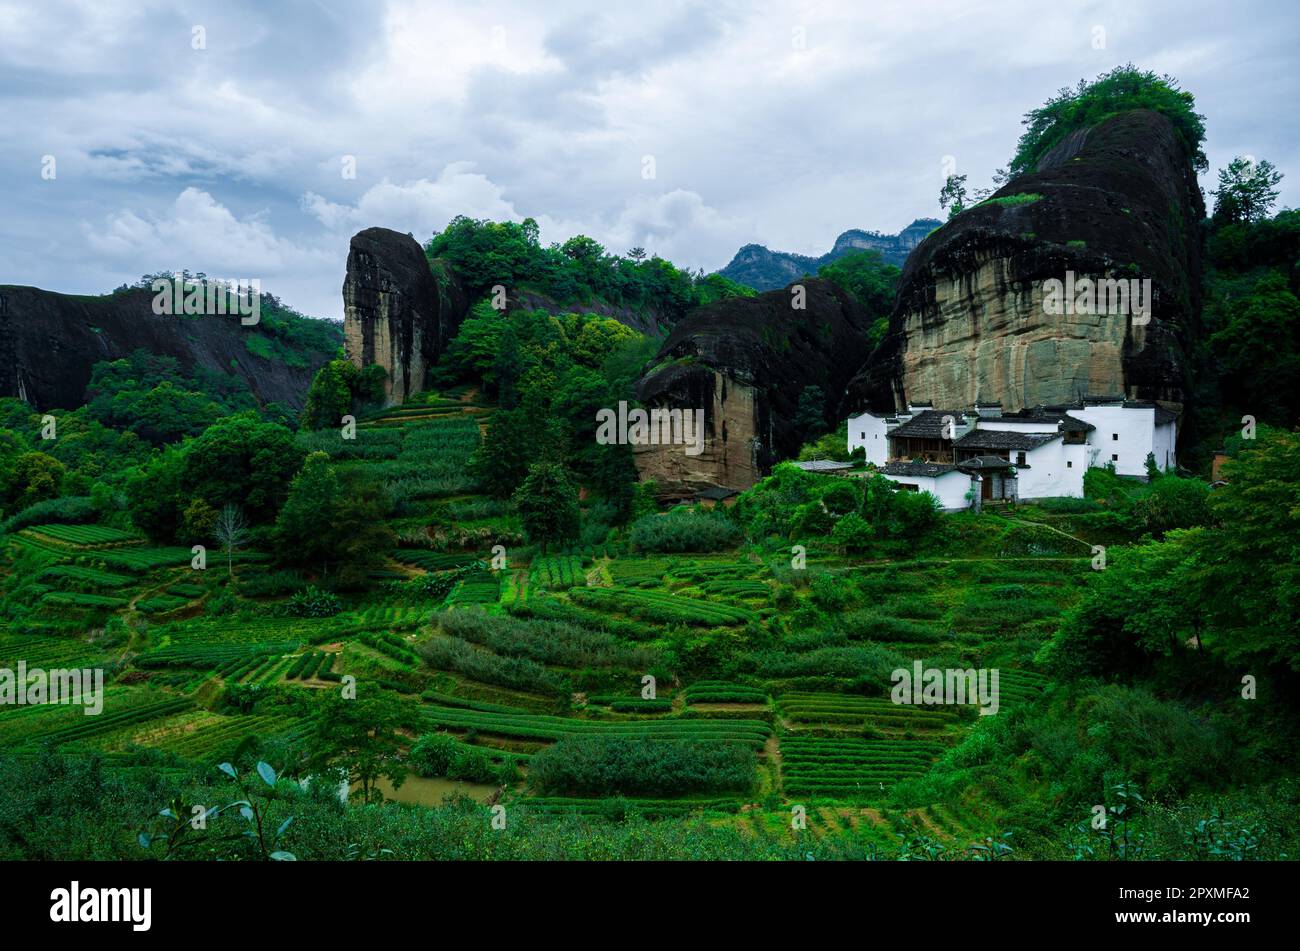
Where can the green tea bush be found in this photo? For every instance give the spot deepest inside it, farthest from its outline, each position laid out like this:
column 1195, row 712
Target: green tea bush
column 680, row 531
column 604, row 765
column 314, row 602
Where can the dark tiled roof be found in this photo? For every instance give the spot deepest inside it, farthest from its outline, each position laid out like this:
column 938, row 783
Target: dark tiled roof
column 918, row 468
column 984, row 462
column 823, row 465
column 717, row 493
column 1164, row 416
column 1045, row 414
column 1001, row 439
column 928, row 424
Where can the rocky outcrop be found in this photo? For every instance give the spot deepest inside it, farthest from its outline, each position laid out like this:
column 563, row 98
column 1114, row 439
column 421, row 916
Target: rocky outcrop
column 399, row 311
column 973, row 316
column 49, row 343
column 745, row 362
column 765, row 270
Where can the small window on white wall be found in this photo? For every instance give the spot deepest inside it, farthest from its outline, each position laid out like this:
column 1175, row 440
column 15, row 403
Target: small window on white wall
column 1114, row 437
column 1114, row 457
column 1069, row 464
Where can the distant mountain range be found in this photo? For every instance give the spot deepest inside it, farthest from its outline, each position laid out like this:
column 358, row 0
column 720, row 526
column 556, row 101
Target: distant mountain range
column 764, row 269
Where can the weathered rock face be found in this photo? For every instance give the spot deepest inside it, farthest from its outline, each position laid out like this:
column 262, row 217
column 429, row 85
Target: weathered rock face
column 1120, row 200
column 49, row 343
column 398, row 311
column 745, row 362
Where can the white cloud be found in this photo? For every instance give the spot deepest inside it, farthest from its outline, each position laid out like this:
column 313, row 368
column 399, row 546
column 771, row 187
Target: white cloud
column 227, row 158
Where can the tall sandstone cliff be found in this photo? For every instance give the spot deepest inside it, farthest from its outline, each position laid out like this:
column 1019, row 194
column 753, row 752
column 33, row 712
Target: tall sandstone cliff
column 1118, row 199
column 745, row 362
column 398, row 311
column 50, row 342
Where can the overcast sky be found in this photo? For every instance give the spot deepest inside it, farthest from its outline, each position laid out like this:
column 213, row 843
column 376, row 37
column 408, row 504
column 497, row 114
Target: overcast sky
column 687, row 128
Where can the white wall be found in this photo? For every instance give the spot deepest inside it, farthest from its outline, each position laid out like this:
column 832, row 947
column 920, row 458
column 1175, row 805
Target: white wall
column 1016, row 426
column 1165, row 443
column 950, row 488
column 1135, row 427
column 1053, row 469
column 868, row 431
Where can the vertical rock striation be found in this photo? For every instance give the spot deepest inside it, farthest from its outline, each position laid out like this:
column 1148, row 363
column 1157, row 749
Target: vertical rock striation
column 398, row 310
column 746, row 361
column 1119, row 200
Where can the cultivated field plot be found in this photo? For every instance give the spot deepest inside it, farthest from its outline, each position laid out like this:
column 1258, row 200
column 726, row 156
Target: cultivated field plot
column 662, row 607
column 753, row 733
column 825, row 709
column 849, row 767
column 82, row 536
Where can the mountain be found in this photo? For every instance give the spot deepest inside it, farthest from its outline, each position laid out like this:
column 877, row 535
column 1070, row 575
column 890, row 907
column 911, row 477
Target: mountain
column 399, row 309
column 745, row 362
column 974, row 317
column 767, row 270
column 49, row 343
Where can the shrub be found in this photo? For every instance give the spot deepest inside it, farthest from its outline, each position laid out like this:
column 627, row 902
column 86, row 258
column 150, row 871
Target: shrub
column 685, row 530
column 314, row 602
column 73, row 508
column 605, row 765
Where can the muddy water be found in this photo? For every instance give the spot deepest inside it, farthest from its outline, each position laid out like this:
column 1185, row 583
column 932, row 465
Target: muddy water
column 431, row 792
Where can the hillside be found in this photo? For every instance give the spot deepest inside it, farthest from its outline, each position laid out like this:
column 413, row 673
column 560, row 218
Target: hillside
column 50, row 342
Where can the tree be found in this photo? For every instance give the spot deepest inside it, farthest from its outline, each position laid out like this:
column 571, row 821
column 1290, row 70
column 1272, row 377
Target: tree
column 360, row 737
column 1247, row 191
column 1249, row 560
column 329, row 398
column 153, row 493
column 810, row 416
column 500, row 464
column 302, row 529
column 231, row 532
column 953, row 195
column 1122, row 89
column 334, row 522
column 35, row 477
column 871, row 282
column 548, row 504
column 242, row 460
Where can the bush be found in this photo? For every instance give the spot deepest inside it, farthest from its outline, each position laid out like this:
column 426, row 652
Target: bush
column 614, row 765
column 314, row 603
column 684, row 530
column 73, row 508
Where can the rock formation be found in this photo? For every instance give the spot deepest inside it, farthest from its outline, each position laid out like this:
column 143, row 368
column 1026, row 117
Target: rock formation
column 398, row 310
column 746, row 362
column 1120, row 200
column 765, row 270
column 49, row 343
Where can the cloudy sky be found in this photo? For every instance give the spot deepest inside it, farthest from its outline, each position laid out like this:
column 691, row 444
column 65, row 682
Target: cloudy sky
column 220, row 136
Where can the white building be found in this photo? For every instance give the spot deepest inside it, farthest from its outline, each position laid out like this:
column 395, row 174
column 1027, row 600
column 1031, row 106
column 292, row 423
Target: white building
column 870, row 431
column 1030, row 454
column 944, row 481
